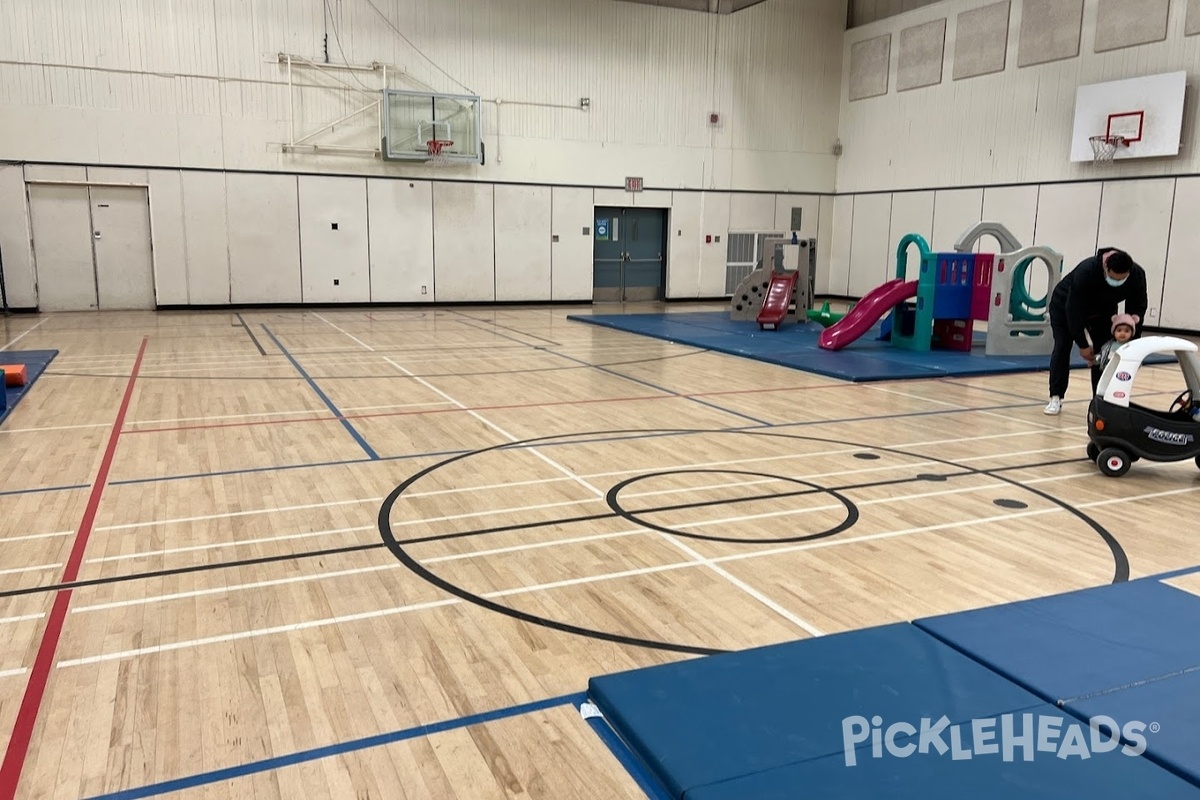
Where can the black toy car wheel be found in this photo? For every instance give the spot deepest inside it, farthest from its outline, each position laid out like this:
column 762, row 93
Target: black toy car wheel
column 1198, row 461
column 1113, row 462
column 1093, row 451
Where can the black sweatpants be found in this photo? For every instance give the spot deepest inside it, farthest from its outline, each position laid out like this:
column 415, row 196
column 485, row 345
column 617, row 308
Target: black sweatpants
column 1060, row 357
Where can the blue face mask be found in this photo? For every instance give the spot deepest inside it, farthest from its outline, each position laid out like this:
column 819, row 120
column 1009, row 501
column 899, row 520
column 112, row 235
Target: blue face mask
column 1113, row 281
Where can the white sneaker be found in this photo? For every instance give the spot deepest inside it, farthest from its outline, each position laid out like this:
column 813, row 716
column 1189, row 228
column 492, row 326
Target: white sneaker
column 1054, row 406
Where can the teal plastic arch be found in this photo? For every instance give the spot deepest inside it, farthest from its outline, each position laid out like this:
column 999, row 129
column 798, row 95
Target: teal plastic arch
column 1020, row 301
column 902, row 253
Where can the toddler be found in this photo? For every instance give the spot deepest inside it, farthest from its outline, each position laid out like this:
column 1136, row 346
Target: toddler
column 1123, row 327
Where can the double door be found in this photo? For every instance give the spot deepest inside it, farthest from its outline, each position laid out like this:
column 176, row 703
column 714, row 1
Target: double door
column 629, row 255
column 91, row 247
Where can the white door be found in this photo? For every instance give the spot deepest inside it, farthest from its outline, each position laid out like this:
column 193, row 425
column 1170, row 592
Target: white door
column 62, row 247
column 121, row 239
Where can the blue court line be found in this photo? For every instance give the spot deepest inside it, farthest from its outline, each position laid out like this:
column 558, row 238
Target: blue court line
column 350, row 461
column 628, row 760
column 278, row 762
column 328, row 403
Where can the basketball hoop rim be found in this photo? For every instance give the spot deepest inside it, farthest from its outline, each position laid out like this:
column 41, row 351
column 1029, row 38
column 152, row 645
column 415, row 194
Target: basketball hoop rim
column 1104, row 147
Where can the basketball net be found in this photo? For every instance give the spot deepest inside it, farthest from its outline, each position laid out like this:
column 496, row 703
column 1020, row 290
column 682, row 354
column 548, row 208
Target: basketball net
column 436, row 156
column 1105, row 147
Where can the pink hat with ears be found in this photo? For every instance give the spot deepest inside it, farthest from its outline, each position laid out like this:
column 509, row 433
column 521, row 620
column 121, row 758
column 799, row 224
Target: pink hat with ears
column 1131, row 320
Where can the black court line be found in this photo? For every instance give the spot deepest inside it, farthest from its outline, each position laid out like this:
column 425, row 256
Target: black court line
column 509, row 328
column 251, row 470
column 395, row 546
column 250, row 333
column 334, row 551
column 614, row 373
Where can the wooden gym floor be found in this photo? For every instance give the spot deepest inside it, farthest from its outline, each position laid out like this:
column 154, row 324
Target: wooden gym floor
column 230, row 539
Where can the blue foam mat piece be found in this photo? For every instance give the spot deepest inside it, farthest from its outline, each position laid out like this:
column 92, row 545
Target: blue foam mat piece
column 708, row 720
column 1068, row 646
column 35, row 362
column 797, row 346
column 931, row 776
column 1168, row 707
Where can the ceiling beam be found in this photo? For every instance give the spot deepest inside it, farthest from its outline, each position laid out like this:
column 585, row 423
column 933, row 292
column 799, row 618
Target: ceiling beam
column 708, row 6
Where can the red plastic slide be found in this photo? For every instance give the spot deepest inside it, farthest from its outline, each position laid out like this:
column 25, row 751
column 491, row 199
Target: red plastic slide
column 872, row 308
column 777, row 300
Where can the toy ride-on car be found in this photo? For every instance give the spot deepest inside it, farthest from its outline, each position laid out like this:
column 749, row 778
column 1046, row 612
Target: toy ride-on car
column 1122, row 432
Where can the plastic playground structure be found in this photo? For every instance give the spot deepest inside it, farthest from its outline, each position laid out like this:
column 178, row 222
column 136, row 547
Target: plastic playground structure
column 781, row 288
column 952, row 292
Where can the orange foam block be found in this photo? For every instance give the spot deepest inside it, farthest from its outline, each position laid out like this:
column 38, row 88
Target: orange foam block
column 14, row 374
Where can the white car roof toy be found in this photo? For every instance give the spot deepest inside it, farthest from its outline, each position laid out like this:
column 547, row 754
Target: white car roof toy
column 1121, row 431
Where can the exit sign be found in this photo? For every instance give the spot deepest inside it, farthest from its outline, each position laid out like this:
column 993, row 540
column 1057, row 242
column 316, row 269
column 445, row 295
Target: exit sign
column 633, row 184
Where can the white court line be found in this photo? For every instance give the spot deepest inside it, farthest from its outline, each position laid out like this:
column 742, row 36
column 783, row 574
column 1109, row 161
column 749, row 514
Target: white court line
column 21, row 618
column 317, row 413
column 580, row 481
column 539, row 481
column 56, row 427
column 287, row 537
column 310, row 624
column 334, row 531
column 960, row 407
column 239, row 587
column 525, row 547
column 281, row 413
column 32, row 536
column 37, row 568
column 600, row 494
column 9, row 673
column 346, row 333
column 19, row 337
column 232, row 514
column 518, row 548
column 745, row 587
column 252, row 634
column 305, row 535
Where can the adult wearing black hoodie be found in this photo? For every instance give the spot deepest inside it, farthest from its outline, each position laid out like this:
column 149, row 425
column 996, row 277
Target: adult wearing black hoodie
column 1082, row 306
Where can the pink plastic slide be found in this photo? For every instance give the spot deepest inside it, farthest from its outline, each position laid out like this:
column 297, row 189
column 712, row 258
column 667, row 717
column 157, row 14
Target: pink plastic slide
column 873, row 307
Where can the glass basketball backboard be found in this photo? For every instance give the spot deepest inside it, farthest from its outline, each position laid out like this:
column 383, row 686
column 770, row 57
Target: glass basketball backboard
column 426, row 126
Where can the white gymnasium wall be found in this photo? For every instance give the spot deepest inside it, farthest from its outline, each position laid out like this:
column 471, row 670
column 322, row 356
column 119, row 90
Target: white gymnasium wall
column 997, row 147
column 194, row 102
column 197, row 83
column 267, row 238
column 1010, row 126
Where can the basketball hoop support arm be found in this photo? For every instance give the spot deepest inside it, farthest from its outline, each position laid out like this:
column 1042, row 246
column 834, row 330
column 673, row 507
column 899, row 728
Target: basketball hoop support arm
column 304, row 143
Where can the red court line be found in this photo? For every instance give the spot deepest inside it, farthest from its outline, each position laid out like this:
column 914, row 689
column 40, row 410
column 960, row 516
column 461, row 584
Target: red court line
column 39, row 675
column 628, row 399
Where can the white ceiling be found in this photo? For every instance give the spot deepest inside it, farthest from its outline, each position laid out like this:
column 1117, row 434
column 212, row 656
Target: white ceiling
column 709, row 6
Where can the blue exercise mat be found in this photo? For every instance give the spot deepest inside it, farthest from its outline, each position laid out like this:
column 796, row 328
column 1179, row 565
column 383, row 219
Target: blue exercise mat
column 35, row 362
column 1102, row 776
column 1069, row 646
column 796, row 345
column 1164, row 714
column 714, row 719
